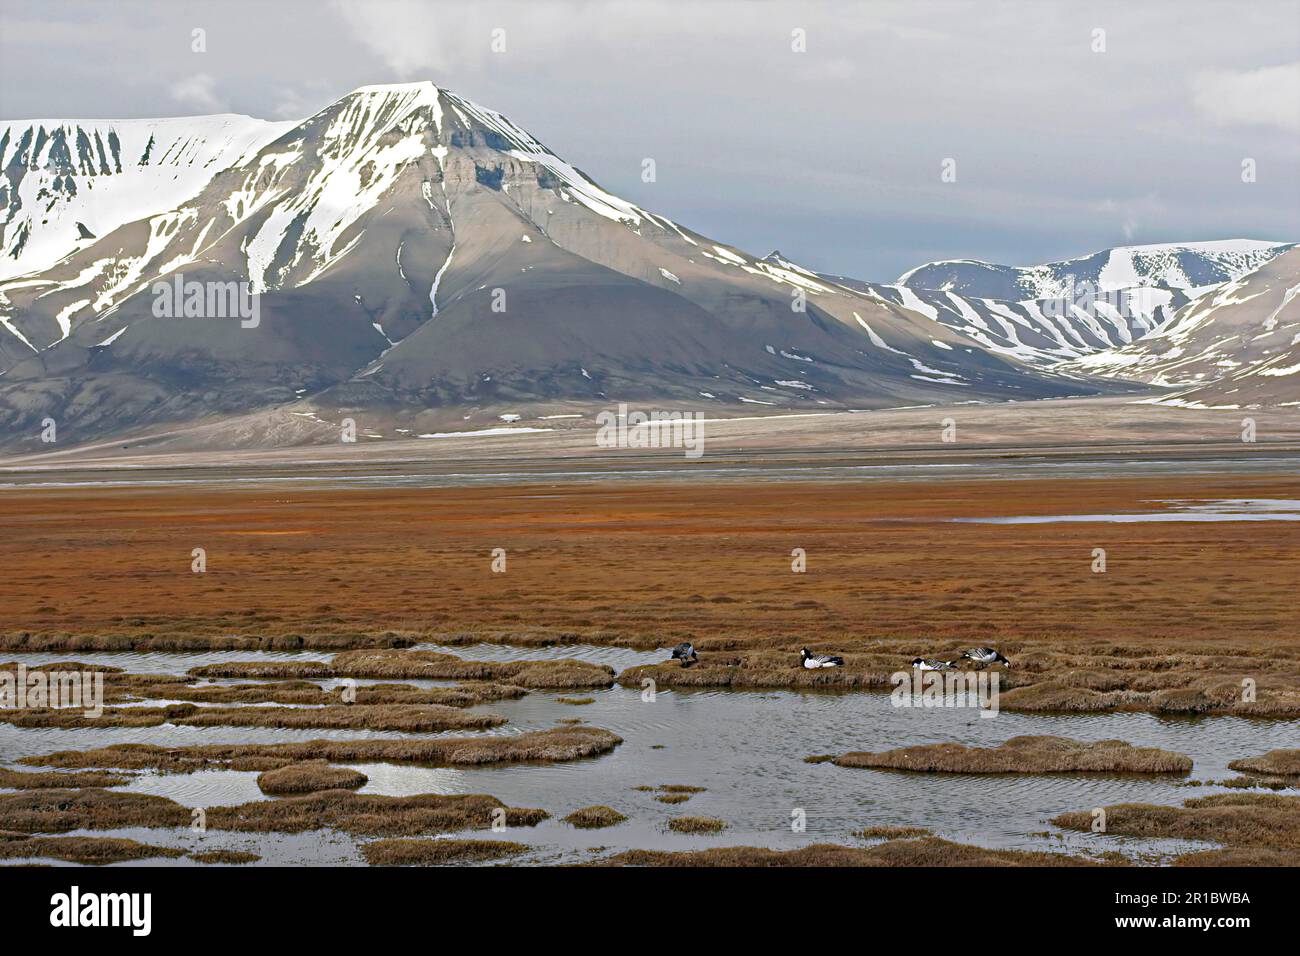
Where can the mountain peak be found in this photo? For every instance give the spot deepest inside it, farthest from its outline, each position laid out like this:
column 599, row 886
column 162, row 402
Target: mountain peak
column 419, row 86
column 404, row 95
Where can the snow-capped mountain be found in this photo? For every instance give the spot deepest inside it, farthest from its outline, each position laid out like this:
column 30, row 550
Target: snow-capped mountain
column 412, row 250
column 1039, row 332
column 64, row 183
column 1188, row 267
column 1238, row 346
column 1059, row 311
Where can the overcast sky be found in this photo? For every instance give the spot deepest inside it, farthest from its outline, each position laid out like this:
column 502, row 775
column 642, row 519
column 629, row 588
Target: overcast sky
column 832, row 155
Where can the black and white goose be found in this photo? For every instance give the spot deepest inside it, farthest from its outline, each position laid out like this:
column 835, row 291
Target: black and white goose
column 685, row 652
column 813, row 661
column 985, row 656
column 930, row 664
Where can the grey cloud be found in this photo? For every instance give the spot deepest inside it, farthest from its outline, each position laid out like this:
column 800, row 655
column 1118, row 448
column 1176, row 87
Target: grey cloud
column 832, row 155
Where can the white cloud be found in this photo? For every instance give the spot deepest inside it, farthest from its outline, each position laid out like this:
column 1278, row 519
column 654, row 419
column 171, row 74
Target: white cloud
column 289, row 105
column 403, row 33
column 198, row 91
column 836, row 68
column 1265, row 97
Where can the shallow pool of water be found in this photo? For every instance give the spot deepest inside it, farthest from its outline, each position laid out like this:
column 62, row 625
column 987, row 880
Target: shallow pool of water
column 746, row 748
column 619, row 658
column 159, row 662
column 1214, row 510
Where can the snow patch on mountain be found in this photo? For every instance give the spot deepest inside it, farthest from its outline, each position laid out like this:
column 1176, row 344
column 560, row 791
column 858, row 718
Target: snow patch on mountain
column 66, row 182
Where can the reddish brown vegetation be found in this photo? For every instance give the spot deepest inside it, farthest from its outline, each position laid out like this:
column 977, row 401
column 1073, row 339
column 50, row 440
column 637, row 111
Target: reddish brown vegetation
column 103, row 566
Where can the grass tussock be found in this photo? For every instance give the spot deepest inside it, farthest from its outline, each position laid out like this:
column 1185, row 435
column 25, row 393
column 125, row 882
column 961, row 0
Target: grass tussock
column 1029, row 754
column 52, row 780
column 1275, row 763
column 672, row 793
column 225, row 857
column 755, row 674
column 411, row 719
column 543, row 746
column 436, row 852
column 1051, row 697
column 575, row 701
column 1252, row 782
column 61, row 666
column 309, row 777
column 1168, row 684
column 696, row 824
column 431, row 665
column 893, row 833
column 371, row 814
column 1239, row 856
column 305, row 692
column 58, row 811
column 593, row 818
column 926, row 851
column 556, row 674
column 92, row 851
column 1266, row 820
column 266, row 670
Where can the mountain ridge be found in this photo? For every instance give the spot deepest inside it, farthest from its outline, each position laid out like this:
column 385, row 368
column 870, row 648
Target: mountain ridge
column 414, row 252
column 382, row 233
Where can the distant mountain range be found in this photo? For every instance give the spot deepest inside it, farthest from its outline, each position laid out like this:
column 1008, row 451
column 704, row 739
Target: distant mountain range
column 1235, row 347
column 418, row 258
column 1065, row 310
column 1187, row 267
